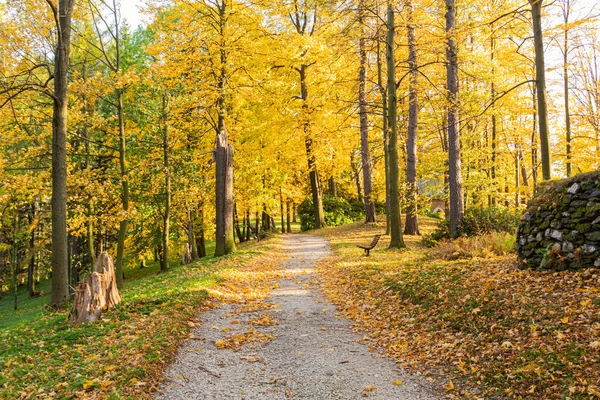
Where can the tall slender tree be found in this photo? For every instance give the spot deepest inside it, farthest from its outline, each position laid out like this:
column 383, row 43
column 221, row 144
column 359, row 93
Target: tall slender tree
column 396, row 239
column 454, row 155
column 540, row 78
column 224, row 238
column 412, row 220
column 60, row 271
column 364, row 119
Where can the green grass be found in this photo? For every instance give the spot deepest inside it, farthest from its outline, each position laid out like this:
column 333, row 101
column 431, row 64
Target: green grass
column 121, row 356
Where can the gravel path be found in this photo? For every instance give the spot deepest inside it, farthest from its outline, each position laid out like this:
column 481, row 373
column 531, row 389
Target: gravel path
column 314, row 354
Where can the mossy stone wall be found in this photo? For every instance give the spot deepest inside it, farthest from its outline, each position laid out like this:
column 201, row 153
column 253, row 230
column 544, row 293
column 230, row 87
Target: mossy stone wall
column 561, row 226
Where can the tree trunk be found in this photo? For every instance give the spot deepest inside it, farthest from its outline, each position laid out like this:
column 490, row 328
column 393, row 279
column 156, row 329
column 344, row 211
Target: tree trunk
column 540, row 78
column 534, row 144
column 257, row 224
column 164, row 266
column 364, row 120
column 566, row 6
column 294, row 214
column 310, row 156
column 96, row 293
column 289, row 222
column 396, row 240
column 356, row 176
column 383, row 92
column 454, row 162
column 281, row 210
column 31, row 266
column 225, row 242
column 191, row 236
column 332, row 186
column 200, row 239
column 412, row 220
column 60, row 273
column 236, row 223
column 248, row 224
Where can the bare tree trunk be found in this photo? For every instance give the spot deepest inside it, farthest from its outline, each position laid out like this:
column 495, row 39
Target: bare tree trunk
column 566, row 9
column 281, row 210
column 454, row 162
column 534, row 142
column 396, row 240
column 164, row 266
column 412, row 219
column 248, row 224
column 60, row 273
column 540, row 77
column 383, row 92
column 294, row 217
column 364, row 120
column 225, row 242
column 332, row 187
column 356, row 176
column 312, row 163
column 236, row 223
column 200, row 239
column 31, row 266
column 191, row 241
column 289, row 222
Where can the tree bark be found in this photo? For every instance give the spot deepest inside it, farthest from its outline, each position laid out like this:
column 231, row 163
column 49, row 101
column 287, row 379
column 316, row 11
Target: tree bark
column 31, row 266
column 566, row 9
column 364, row 120
column 164, row 266
column 383, row 92
column 289, row 222
column 60, row 273
column 412, row 219
column 200, row 240
column 96, row 293
column 396, row 240
column 454, row 156
column 310, row 156
column 540, row 78
column 281, row 210
column 225, row 242
column 191, row 236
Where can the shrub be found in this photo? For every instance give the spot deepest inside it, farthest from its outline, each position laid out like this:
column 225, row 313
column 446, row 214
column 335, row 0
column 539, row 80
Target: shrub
column 337, row 211
column 477, row 222
column 490, row 244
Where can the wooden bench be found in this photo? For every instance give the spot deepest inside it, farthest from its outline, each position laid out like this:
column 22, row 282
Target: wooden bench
column 370, row 247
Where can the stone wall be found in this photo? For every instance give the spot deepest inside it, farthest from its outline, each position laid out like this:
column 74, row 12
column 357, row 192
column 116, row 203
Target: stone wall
column 561, row 227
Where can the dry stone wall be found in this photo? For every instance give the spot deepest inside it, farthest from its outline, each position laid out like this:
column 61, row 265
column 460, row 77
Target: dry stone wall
column 561, row 226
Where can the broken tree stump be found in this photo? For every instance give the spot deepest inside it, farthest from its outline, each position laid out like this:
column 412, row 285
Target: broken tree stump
column 186, row 257
column 96, row 293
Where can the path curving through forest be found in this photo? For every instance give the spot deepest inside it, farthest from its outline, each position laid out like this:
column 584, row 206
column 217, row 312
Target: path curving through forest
column 314, row 353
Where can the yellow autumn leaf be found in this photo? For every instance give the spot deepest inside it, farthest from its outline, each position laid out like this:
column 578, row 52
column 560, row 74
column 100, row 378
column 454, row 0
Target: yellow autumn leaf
column 398, row 382
column 220, row 343
column 450, row 386
column 88, row 384
column 564, row 320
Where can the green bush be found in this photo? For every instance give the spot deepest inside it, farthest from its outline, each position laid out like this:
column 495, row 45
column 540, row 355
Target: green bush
column 477, row 222
column 337, row 211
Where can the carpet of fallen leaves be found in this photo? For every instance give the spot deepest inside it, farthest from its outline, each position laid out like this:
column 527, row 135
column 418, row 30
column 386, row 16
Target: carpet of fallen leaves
column 124, row 354
column 482, row 327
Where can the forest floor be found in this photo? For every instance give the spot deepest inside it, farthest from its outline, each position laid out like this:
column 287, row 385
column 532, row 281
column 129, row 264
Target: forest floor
column 290, row 344
column 481, row 325
column 474, row 327
column 123, row 355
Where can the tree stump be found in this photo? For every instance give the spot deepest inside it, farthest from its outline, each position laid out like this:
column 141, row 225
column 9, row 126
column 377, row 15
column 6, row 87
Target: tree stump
column 186, row 257
column 96, row 293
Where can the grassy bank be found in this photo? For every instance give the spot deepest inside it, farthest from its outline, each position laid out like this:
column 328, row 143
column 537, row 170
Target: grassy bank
column 490, row 329
column 123, row 355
